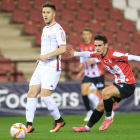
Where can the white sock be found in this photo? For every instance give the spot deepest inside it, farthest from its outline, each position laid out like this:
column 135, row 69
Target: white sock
column 109, row 118
column 30, row 109
column 52, row 107
column 93, row 99
column 88, row 128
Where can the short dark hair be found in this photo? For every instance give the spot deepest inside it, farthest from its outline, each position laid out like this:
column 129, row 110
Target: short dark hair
column 87, row 29
column 100, row 37
column 48, row 4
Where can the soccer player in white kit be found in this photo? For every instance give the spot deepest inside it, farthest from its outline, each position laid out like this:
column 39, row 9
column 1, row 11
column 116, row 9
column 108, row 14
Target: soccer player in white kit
column 48, row 69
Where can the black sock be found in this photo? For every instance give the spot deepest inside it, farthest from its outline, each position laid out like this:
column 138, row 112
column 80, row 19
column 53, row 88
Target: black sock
column 59, row 120
column 108, row 104
column 29, row 123
column 95, row 117
column 86, row 102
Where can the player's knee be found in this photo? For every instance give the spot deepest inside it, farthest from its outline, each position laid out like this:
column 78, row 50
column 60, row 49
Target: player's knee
column 105, row 94
column 84, row 92
column 31, row 94
column 100, row 107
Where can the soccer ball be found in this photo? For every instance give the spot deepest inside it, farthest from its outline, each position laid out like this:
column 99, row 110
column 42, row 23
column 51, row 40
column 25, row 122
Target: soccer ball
column 18, row 131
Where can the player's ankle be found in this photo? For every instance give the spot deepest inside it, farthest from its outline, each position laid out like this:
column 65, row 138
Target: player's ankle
column 29, row 123
column 108, row 118
column 59, row 120
column 87, row 128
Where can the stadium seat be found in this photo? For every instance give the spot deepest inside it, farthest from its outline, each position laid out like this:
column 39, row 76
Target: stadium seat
column 38, row 39
column 136, row 36
column 115, row 14
column 58, row 4
column 123, row 37
column 42, row 25
column 83, row 14
column 19, row 16
column 119, row 4
column 65, row 26
column 8, row 5
column 111, row 25
column 30, row 28
column 134, row 64
column 35, row 16
column 67, row 15
column 120, row 46
column 96, row 26
column 131, row 14
column 72, row 4
column 88, row 4
column 127, row 25
column 75, row 38
column 104, row 4
column 134, row 48
column 24, row 5
column 38, row 4
column 109, row 36
column 78, row 26
column 138, row 25
column 134, row 4
column 99, row 14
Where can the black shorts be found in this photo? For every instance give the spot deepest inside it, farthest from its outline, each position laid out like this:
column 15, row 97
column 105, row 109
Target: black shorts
column 97, row 81
column 126, row 90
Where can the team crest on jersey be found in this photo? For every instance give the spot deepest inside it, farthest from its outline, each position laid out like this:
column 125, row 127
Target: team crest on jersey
column 90, row 48
column 110, row 61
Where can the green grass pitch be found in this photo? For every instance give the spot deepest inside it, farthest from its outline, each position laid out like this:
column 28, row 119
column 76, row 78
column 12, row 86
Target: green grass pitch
column 124, row 127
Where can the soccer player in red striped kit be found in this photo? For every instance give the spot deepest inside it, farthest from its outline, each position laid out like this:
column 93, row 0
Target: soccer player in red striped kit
column 116, row 62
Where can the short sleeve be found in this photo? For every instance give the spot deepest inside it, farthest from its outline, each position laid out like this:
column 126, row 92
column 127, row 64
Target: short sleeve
column 120, row 56
column 60, row 37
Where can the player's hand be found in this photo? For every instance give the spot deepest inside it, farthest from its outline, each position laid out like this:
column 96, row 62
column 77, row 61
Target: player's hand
column 90, row 62
column 43, row 57
column 70, row 52
column 37, row 62
column 81, row 66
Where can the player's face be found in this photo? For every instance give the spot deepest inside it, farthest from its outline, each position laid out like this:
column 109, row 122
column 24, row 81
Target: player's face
column 87, row 36
column 48, row 15
column 100, row 47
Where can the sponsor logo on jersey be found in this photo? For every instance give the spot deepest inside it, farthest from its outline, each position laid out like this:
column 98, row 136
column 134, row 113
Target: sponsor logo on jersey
column 110, row 61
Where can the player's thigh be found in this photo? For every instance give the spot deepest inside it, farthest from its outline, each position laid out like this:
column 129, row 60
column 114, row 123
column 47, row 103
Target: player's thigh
column 111, row 91
column 94, row 91
column 85, row 88
column 49, row 82
column 100, row 91
column 34, row 91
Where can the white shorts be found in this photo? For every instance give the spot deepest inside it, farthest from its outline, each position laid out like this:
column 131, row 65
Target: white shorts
column 92, row 86
column 48, row 79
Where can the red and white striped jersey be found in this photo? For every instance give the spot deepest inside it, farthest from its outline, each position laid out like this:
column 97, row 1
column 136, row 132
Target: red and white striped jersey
column 53, row 36
column 116, row 62
column 94, row 70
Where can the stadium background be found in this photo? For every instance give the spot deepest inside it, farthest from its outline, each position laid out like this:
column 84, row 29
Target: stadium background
column 21, row 24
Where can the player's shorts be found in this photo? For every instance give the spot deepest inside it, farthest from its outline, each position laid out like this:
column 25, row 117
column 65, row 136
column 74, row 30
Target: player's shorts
column 126, row 90
column 97, row 81
column 92, row 86
column 48, row 79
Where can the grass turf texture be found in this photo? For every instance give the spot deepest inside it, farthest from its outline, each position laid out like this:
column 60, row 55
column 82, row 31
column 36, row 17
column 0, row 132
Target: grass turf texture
column 124, row 127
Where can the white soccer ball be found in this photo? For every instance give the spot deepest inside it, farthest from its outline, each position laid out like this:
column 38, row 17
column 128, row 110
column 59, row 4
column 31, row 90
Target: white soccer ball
column 18, row 131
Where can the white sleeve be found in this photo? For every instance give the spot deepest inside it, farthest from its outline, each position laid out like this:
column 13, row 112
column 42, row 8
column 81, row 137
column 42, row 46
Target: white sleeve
column 83, row 54
column 97, row 60
column 81, row 60
column 133, row 57
column 60, row 37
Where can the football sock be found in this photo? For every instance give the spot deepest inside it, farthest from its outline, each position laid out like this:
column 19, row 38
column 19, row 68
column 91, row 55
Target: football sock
column 86, row 102
column 88, row 128
column 108, row 104
column 52, row 107
column 95, row 117
column 93, row 99
column 29, row 123
column 59, row 120
column 30, row 109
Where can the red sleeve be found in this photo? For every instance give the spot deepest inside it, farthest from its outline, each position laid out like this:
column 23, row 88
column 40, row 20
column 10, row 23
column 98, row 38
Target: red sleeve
column 94, row 55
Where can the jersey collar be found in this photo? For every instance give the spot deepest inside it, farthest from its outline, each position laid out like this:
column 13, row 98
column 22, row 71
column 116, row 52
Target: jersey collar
column 51, row 25
column 105, row 54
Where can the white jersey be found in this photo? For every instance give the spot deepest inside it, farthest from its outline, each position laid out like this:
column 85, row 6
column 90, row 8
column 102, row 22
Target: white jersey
column 52, row 37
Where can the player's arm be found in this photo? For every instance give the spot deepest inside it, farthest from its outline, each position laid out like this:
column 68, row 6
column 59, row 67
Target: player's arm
column 133, row 57
column 90, row 62
column 73, row 53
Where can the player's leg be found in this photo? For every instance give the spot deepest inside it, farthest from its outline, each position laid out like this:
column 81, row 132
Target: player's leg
column 84, row 91
column 34, row 89
column 49, row 83
column 92, row 95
